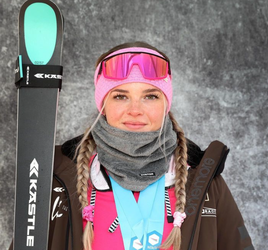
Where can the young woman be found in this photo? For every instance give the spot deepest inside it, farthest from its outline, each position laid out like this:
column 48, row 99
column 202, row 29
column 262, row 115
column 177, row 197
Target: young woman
column 132, row 166
column 140, row 183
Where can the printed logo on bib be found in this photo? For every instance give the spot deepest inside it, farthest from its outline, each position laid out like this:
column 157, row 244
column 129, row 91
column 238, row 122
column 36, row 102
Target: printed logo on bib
column 208, row 212
column 135, row 244
column 154, row 240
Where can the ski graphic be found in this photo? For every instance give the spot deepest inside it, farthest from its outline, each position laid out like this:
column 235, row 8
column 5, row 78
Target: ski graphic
column 38, row 77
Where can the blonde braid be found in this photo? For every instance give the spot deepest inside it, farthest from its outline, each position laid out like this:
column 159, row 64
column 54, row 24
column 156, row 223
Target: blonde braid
column 84, row 152
column 174, row 237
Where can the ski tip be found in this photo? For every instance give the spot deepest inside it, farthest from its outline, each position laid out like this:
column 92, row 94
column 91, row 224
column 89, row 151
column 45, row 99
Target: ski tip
column 40, row 32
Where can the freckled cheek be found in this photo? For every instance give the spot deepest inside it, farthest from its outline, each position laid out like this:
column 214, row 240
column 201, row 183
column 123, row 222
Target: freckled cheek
column 112, row 119
column 113, row 113
column 156, row 115
column 156, row 118
column 157, row 109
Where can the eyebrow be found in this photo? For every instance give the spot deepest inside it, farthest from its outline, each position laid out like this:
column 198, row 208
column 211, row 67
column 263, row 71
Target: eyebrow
column 152, row 90
column 145, row 91
column 119, row 90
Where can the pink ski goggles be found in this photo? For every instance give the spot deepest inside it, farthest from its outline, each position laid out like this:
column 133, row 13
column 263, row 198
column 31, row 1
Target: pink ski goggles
column 118, row 67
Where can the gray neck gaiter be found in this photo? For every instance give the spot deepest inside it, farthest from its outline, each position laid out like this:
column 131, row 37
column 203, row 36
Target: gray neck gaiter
column 134, row 159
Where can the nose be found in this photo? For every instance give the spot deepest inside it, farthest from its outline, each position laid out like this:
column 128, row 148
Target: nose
column 135, row 108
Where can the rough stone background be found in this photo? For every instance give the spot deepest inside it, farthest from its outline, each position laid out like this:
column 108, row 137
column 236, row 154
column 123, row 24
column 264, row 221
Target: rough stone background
column 219, row 55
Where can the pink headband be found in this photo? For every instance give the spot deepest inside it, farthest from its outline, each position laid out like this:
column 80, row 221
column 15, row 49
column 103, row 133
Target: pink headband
column 104, row 85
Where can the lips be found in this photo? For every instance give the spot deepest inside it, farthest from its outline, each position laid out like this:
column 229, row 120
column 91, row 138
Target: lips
column 134, row 124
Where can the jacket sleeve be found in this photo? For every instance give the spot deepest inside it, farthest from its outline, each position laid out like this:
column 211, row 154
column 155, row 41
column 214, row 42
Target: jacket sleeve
column 231, row 231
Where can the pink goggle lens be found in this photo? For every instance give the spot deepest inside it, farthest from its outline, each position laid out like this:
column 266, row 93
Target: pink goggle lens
column 119, row 66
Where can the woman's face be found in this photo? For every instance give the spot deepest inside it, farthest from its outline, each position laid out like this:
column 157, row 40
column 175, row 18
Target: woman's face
column 138, row 107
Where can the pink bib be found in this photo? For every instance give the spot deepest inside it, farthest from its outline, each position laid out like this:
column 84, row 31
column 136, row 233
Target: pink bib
column 104, row 215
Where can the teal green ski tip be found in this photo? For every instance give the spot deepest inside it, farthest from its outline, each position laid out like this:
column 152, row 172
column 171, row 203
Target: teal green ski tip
column 40, row 32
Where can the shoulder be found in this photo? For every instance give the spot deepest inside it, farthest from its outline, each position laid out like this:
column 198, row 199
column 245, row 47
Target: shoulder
column 216, row 152
column 64, row 156
column 68, row 148
column 194, row 154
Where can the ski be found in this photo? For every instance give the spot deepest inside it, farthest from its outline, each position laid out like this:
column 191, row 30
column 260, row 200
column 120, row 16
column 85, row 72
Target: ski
column 38, row 77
